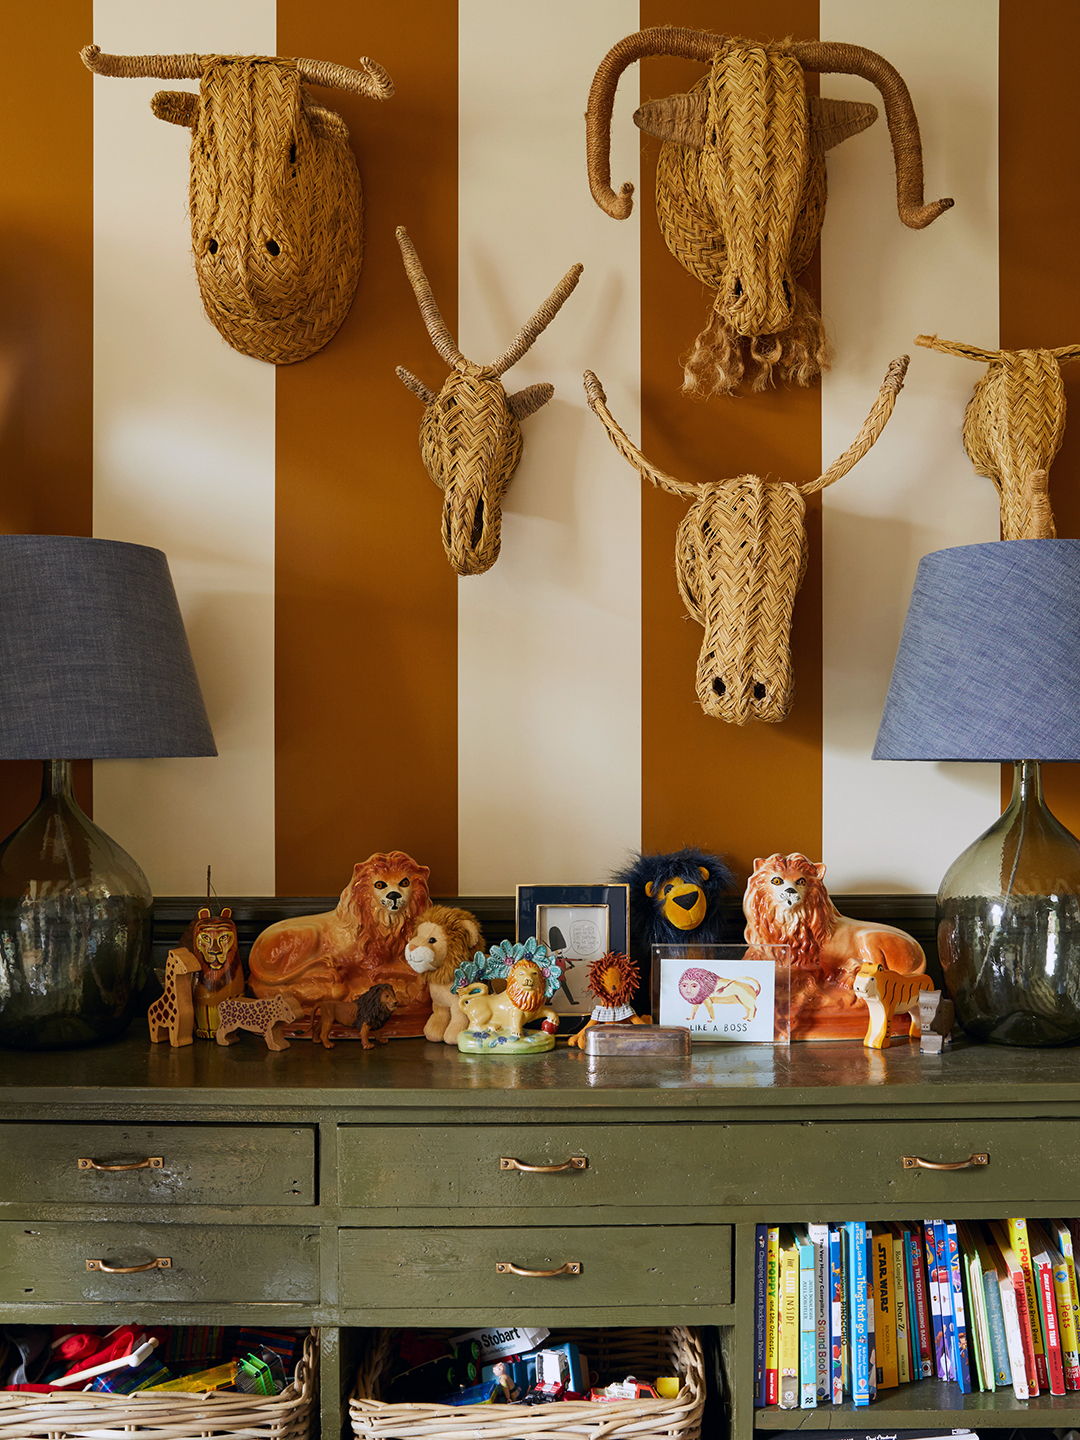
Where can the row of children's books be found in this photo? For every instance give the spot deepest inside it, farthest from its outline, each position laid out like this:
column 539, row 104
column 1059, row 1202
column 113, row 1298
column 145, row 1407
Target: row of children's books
column 842, row 1311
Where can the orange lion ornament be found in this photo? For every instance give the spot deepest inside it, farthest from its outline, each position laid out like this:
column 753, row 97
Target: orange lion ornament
column 337, row 955
column 786, row 903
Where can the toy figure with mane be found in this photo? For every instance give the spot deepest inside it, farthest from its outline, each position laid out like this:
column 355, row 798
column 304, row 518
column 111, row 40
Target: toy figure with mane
column 338, row 955
column 786, row 903
column 613, row 981
column 674, row 900
column 213, row 941
column 442, row 939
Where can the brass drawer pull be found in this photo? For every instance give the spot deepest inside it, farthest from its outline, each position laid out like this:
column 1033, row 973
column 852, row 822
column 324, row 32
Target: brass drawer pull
column 161, row 1263
column 503, row 1267
column 152, row 1162
column 576, row 1162
column 913, row 1162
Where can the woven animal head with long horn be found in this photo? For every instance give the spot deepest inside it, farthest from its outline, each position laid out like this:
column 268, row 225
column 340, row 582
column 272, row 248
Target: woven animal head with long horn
column 275, row 195
column 470, row 435
column 740, row 186
column 740, row 557
column 1013, row 427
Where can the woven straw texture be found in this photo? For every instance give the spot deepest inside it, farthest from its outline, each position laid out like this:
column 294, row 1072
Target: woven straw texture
column 1013, row 428
column 613, row 1354
column 287, row 1416
column 740, row 557
column 470, row 434
column 275, row 200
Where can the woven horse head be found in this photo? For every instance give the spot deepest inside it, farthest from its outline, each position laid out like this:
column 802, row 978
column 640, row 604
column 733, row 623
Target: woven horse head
column 470, row 436
column 1013, row 427
column 275, row 195
column 740, row 186
column 740, row 556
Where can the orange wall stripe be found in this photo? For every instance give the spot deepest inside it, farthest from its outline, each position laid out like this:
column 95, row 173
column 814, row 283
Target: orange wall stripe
column 366, row 612
column 748, row 791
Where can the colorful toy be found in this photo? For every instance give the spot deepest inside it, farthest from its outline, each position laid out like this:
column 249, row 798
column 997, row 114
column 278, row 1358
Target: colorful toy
column 441, row 940
column 213, row 940
column 740, row 186
column 496, row 1022
column 786, row 903
column 614, row 980
column 276, row 226
column 674, row 900
column 330, row 957
column 172, row 1015
column 266, row 1017
column 887, row 994
column 363, row 1015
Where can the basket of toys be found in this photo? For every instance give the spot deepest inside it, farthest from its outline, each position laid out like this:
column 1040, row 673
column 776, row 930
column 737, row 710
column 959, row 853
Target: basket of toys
column 87, row 1415
column 620, row 1366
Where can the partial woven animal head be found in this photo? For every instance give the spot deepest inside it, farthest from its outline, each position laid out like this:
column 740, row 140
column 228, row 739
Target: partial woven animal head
column 470, row 436
column 740, row 186
column 740, row 557
column 1013, row 428
column 275, row 195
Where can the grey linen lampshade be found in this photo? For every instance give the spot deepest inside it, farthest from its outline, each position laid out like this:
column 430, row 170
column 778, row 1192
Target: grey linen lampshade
column 94, row 659
column 989, row 661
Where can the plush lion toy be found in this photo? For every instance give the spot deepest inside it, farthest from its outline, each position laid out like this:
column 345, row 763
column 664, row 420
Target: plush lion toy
column 674, row 900
column 441, row 940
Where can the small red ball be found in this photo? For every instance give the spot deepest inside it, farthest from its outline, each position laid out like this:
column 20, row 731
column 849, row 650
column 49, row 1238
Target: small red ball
column 550, row 1027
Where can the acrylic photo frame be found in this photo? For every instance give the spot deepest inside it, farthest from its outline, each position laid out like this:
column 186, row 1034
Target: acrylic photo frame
column 579, row 922
column 724, row 994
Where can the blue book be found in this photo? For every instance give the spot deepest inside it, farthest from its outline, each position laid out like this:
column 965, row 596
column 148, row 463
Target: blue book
column 836, row 1316
column 761, row 1235
column 871, row 1314
column 807, row 1319
column 944, row 1284
column 961, row 1338
column 859, row 1320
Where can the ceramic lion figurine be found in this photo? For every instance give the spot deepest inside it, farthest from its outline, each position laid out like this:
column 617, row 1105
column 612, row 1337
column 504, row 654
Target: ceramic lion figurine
column 442, row 939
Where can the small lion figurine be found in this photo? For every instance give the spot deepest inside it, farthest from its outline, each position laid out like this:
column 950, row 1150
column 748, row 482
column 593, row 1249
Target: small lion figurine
column 441, row 940
column 522, row 1002
column 367, row 1013
column 887, row 994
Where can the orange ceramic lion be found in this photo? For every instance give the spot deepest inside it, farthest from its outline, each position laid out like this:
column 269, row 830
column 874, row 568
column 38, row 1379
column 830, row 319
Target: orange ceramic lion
column 786, row 903
column 338, row 955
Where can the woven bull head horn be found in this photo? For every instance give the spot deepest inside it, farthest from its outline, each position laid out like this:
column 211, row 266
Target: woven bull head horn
column 740, row 187
column 740, row 555
column 1013, row 426
column 275, row 195
column 470, row 436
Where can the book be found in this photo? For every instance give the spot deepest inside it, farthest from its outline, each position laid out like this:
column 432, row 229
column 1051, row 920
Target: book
column 836, row 1321
column 979, row 1352
column 807, row 1318
column 936, row 1278
column 772, row 1314
column 1065, row 1291
column 858, row 1319
column 761, row 1239
column 920, row 1303
column 788, row 1344
column 900, row 1292
column 1000, row 1363
column 1018, row 1239
column 871, row 1317
column 884, row 1296
column 1018, row 1285
column 961, row 1329
column 1045, row 1259
column 819, row 1238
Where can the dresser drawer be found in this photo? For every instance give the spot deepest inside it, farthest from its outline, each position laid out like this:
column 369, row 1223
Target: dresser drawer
column 233, row 1263
column 456, row 1268
column 188, row 1164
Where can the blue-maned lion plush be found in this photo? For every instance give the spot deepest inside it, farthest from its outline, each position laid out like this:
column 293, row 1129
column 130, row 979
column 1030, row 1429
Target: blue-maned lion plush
column 674, row 900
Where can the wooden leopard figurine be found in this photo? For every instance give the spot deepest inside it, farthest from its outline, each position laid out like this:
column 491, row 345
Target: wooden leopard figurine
column 888, row 993
column 267, row 1017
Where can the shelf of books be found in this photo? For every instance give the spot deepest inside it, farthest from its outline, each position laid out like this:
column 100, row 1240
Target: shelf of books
column 910, row 1317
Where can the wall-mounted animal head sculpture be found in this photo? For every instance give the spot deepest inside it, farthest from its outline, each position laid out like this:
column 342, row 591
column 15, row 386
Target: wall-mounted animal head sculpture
column 1013, row 426
column 740, row 186
column 470, row 436
column 740, row 556
column 275, row 195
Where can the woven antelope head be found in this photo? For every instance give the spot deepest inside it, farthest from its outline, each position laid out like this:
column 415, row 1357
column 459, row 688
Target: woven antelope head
column 275, row 195
column 470, row 436
column 740, row 186
column 740, row 556
column 1013, row 428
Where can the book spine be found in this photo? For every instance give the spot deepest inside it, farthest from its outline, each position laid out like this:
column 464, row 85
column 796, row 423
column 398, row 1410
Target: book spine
column 789, row 1326
column 1014, row 1338
column 962, row 1338
column 920, row 1302
column 1018, row 1239
column 933, row 1290
column 772, row 1315
column 858, row 1318
column 807, row 1328
column 871, row 1317
column 1044, row 1276
column 761, row 1241
column 819, row 1238
column 995, row 1323
column 885, row 1329
column 903, row 1335
column 836, row 1317
column 1065, row 1294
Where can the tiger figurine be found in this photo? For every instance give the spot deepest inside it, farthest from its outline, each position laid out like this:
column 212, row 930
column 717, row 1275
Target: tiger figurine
column 888, row 993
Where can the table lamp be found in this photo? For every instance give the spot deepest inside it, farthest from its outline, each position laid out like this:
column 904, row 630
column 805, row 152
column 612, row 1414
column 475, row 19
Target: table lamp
column 94, row 664
column 989, row 669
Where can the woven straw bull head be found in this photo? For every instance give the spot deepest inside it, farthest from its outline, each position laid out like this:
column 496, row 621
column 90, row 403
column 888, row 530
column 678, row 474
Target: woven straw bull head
column 740, row 187
column 275, row 195
column 470, row 436
column 740, row 556
column 1013, row 427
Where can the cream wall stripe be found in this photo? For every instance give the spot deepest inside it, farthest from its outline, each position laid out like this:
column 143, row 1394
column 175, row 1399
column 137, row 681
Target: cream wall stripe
column 887, row 825
column 184, row 460
column 549, row 639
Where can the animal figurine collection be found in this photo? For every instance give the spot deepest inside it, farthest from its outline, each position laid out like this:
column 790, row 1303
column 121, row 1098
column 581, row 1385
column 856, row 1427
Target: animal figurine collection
column 275, row 202
column 496, row 1022
column 740, row 186
column 613, row 981
column 442, row 939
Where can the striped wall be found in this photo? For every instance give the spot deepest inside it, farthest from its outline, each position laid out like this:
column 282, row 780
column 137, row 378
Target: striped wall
column 537, row 723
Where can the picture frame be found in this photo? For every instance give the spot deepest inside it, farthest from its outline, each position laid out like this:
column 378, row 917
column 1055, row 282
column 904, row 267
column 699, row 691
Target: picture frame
column 729, row 994
column 579, row 922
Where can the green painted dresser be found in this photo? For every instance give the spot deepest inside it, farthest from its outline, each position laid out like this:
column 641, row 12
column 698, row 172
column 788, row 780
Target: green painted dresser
column 353, row 1188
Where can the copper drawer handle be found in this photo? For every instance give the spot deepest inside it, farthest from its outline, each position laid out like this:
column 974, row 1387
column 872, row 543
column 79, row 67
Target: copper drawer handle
column 913, row 1162
column 161, row 1263
column 152, row 1162
column 576, row 1162
column 503, row 1267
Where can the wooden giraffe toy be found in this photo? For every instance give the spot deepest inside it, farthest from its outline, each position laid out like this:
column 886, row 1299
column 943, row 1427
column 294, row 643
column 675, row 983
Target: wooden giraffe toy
column 172, row 1017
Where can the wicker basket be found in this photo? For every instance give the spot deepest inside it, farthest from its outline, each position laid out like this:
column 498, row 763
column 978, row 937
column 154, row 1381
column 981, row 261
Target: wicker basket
column 613, row 1353
column 28, row 1416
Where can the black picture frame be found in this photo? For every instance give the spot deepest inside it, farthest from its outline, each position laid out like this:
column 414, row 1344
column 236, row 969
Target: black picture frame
column 533, row 907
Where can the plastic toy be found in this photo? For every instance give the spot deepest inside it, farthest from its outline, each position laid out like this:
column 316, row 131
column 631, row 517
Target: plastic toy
column 172, row 1015
column 887, row 994
column 613, row 980
column 441, row 940
column 266, row 1017
column 365, row 1015
column 496, row 1022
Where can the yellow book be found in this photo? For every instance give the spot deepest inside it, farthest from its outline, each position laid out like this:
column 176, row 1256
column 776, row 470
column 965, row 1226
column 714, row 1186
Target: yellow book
column 1070, row 1331
column 1018, row 1239
column 772, row 1315
column 789, row 1322
column 900, row 1310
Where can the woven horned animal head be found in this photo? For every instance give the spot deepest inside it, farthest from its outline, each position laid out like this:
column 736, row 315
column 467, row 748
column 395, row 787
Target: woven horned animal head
column 740, row 556
column 275, row 195
column 1013, row 427
column 740, row 186
column 470, row 436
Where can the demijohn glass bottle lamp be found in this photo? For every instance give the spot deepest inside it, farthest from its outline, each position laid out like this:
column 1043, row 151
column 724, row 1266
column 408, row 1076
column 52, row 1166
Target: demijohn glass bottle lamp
column 94, row 664
column 989, row 669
